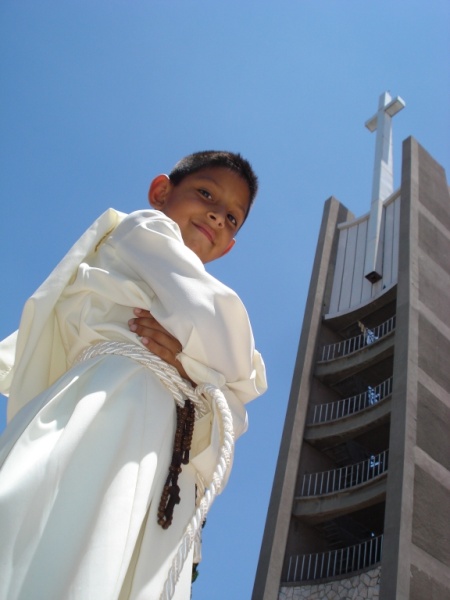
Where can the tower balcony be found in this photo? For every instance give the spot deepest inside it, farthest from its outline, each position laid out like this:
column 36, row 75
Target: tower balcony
column 335, row 492
column 346, row 357
column 333, row 411
column 335, row 564
column 333, row 422
column 336, row 480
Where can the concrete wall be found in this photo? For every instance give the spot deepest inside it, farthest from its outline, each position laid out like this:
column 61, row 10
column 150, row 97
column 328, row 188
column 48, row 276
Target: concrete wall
column 416, row 555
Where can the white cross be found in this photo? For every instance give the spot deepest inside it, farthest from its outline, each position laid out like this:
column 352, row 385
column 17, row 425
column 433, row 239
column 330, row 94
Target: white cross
column 383, row 179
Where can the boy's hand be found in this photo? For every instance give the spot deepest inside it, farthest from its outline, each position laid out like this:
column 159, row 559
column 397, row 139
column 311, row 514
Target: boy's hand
column 157, row 339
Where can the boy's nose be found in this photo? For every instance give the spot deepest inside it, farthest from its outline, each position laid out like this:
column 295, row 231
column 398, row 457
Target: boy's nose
column 217, row 217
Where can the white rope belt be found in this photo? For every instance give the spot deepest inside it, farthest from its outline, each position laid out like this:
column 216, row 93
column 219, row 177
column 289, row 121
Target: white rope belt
column 181, row 389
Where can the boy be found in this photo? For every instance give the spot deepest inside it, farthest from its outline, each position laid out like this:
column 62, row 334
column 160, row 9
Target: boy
column 89, row 444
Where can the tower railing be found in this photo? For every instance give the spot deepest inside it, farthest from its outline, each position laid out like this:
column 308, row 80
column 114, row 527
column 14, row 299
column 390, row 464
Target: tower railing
column 354, row 344
column 332, row 564
column 328, row 482
column 331, row 411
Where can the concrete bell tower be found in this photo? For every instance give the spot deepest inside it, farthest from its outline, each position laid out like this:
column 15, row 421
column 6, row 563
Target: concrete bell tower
column 360, row 501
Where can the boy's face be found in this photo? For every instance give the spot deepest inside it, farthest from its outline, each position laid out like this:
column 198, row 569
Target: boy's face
column 209, row 206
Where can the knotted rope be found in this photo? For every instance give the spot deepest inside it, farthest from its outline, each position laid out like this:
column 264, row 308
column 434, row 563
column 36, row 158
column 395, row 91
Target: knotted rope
column 204, row 397
column 168, row 375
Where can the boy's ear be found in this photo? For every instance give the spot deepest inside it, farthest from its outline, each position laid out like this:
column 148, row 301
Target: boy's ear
column 230, row 245
column 160, row 188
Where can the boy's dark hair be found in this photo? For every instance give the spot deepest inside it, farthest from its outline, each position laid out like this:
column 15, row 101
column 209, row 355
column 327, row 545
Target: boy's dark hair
column 216, row 158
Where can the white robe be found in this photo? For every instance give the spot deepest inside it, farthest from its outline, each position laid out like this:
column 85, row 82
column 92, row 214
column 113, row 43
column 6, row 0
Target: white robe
column 87, row 449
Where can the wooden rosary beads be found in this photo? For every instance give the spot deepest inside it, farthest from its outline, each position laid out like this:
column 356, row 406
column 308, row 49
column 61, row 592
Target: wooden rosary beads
column 181, row 447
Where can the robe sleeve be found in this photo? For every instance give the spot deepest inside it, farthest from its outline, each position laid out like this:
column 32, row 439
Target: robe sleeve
column 214, row 330
column 35, row 351
column 7, row 356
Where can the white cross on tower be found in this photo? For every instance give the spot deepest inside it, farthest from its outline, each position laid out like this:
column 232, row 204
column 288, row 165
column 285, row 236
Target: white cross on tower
column 383, row 180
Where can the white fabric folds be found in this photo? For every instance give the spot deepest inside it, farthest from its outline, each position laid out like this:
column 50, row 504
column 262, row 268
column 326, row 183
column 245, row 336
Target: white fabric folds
column 86, row 452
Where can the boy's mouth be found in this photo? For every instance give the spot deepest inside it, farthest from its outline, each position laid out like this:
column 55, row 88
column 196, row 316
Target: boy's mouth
column 206, row 232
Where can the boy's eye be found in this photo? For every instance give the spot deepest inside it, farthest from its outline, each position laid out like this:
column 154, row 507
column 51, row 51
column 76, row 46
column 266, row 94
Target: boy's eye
column 232, row 220
column 205, row 194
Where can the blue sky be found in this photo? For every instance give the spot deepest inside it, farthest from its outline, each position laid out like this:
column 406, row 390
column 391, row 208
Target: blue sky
column 99, row 96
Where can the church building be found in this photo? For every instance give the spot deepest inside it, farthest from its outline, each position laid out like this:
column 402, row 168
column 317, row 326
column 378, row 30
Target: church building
column 360, row 504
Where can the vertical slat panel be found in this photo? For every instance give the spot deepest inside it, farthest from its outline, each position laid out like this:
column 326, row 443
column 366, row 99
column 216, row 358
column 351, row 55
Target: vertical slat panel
column 360, row 257
column 350, row 287
column 349, row 264
column 339, row 269
column 396, row 239
column 388, row 244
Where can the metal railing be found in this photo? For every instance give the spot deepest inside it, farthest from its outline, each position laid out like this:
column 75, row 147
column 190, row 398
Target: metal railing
column 331, row 411
column 364, row 339
column 335, row 563
column 328, row 482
